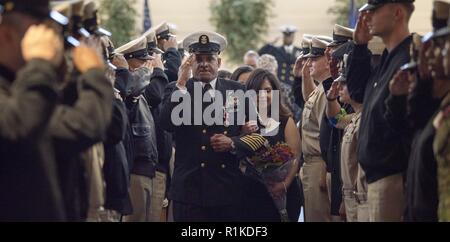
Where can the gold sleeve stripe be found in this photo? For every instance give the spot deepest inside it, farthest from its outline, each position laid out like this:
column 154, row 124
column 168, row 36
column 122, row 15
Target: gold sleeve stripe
column 250, row 143
column 255, row 141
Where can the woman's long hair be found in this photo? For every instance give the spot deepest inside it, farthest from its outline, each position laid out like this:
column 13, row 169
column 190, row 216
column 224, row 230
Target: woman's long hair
column 239, row 71
column 256, row 80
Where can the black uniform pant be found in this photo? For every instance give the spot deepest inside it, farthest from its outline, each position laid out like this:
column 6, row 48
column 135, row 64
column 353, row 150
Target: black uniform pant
column 183, row 212
column 294, row 199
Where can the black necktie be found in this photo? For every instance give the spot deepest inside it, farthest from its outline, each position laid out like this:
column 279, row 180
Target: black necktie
column 206, row 88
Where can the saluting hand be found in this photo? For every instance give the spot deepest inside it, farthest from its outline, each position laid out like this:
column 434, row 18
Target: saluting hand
column 328, row 51
column 437, row 68
column 333, row 93
column 185, row 72
column 157, row 62
column 298, row 67
column 423, row 62
column 362, row 33
column 148, row 64
column 93, row 42
column 86, row 58
column 399, row 85
column 120, row 61
column 43, row 42
column 332, row 63
column 305, row 70
column 334, row 69
column 170, row 43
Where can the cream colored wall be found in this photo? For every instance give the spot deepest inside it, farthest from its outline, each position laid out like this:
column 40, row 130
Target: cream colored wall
column 309, row 15
column 421, row 19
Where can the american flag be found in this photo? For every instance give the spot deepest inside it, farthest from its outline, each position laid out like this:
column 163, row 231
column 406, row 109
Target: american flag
column 352, row 14
column 147, row 19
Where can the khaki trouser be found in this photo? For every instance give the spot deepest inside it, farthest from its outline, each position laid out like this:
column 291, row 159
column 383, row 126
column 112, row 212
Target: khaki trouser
column 361, row 196
column 386, row 199
column 363, row 212
column 94, row 159
column 147, row 196
column 104, row 216
column 317, row 203
column 170, row 208
column 329, row 186
column 351, row 205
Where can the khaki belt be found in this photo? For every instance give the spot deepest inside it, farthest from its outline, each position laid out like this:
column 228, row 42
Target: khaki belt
column 349, row 192
column 310, row 158
column 360, row 197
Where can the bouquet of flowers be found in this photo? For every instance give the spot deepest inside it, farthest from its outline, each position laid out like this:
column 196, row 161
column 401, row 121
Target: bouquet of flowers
column 273, row 164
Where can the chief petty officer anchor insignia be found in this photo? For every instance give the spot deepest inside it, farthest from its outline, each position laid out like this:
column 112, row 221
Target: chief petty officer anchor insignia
column 204, row 40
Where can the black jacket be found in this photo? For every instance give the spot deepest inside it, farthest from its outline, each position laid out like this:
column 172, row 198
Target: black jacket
column 154, row 94
column 382, row 149
column 172, row 62
column 201, row 176
column 297, row 91
column 29, row 187
column 80, row 121
column 421, row 191
column 330, row 147
column 123, row 77
column 116, row 170
column 421, row 180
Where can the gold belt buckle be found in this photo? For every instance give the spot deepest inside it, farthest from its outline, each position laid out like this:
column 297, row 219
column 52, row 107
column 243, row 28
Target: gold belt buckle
column 355, row 194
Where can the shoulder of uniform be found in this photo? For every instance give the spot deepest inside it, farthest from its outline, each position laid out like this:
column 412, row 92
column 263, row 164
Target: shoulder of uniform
column 442, row 117
column 445, row 101
column 170, row 50
column 446, row 111
column 445, row 107
column 269, row 49
column 171, row 85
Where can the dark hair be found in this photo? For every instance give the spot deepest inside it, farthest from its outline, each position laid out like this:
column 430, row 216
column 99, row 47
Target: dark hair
column 224, row 74
column 256, row 80
column 239, row 71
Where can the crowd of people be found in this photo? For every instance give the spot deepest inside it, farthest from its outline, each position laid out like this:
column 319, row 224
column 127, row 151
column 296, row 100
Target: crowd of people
column 91, row 132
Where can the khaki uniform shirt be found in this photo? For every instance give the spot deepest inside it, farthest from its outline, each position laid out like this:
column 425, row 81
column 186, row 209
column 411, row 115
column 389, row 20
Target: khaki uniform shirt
column 311, row 119
column 441, row 147
column 349, row 162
